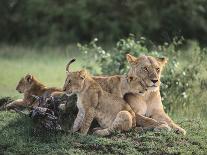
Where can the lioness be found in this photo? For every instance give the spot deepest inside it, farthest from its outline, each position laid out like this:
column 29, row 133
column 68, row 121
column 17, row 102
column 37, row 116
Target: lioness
column 150, row 104
column 119, row 85
column 30, row 86
column 111, row 111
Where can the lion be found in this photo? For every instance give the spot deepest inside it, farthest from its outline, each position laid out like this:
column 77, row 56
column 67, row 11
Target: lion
column 149, row 106
column 111, row 111
column 120, row 85
column 30, row 87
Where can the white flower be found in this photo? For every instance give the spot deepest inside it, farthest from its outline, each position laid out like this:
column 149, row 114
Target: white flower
column 108, row 54
column 184, row 95
column 142, row 38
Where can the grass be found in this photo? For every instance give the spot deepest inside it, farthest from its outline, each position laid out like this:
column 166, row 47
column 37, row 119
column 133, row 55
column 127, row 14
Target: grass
column 48, row 64
column 17, row 138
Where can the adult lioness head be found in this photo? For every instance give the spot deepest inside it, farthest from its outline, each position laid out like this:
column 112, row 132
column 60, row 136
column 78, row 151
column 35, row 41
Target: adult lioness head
column 26, row 83
column 148, row 68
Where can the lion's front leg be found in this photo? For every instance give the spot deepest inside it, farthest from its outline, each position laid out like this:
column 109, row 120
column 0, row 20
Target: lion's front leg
column 139, row 106
column 78, row 121
column 15, row 104
column 146, row 122
column 162, row 117
column 89, row 116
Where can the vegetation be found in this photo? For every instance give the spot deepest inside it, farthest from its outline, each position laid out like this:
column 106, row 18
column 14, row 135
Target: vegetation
column 183, row 90
column 17, row 138
column 34, row 39
column 48, row 64
column 64, row 21
column 184, row 76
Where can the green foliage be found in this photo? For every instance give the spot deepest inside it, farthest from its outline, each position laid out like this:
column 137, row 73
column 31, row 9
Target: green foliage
column 50, row 21
column 180, row 82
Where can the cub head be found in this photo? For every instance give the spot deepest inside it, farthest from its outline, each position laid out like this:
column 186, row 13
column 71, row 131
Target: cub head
column 147, row 68
column 136, row 85
column 25, row 83
column 75, row 80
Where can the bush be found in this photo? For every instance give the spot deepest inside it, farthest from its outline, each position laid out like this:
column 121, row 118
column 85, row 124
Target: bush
column 181, row 80
column 50, row 21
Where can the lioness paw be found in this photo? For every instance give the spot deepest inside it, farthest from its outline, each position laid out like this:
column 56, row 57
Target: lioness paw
column 75, row 129
column 180, row 131
column 162, row 127
column 103, row 132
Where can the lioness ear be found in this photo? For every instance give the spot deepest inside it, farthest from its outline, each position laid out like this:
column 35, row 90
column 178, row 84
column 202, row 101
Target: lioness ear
column 162, row 60
column 82, row 74
column 130, row 58
column 28, row 78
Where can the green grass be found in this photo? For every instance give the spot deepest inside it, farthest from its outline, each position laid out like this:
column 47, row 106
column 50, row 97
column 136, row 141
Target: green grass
column 17, row 138
column 48, row 64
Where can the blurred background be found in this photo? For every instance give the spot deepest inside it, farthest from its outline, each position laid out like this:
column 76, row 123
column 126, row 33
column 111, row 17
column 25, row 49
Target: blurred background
column 40, row 36
column 66, row 21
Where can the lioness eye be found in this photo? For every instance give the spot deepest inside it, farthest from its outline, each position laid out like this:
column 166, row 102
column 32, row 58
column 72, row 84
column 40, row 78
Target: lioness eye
column 158, row 70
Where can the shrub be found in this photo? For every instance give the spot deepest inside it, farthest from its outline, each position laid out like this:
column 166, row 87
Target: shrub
column 51, row 21
column 180, row 81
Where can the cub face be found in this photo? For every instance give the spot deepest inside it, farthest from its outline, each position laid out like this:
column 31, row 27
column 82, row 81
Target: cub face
column 136, row 85
column 25, row 83
column 74, row 81
column 148, row 68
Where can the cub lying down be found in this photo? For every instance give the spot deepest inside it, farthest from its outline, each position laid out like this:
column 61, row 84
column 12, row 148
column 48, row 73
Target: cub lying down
column 111, row 111
column 116, row 84
column 29, row 86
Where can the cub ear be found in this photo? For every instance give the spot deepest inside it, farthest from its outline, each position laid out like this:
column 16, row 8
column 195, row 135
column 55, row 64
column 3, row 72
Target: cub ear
column 162, row 60
column 82, row 74
column 130, row 58
column 28, row 78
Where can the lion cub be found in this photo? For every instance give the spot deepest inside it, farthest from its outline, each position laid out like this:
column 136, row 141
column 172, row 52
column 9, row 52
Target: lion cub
column 111, row 111
column 30, row 86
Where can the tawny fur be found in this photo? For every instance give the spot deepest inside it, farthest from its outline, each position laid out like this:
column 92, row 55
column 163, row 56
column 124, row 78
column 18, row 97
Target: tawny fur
column 111, row 111
column 149, row 106
column 29, row 86
column 119, row 85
